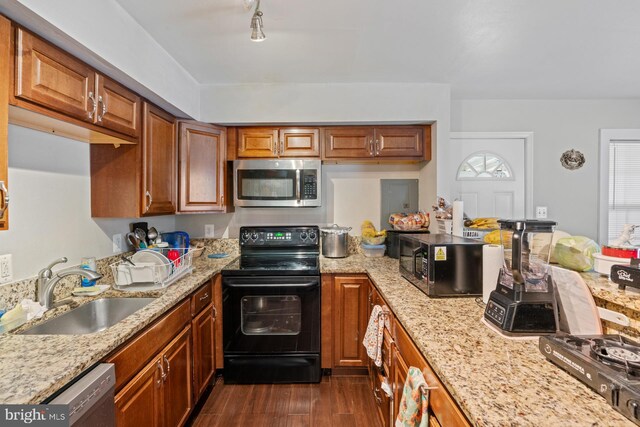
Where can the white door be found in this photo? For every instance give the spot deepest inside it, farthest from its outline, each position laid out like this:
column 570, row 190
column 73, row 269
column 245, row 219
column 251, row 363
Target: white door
column 488, row 175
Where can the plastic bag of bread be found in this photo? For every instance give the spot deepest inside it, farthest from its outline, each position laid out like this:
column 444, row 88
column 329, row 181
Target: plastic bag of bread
column 412, row 221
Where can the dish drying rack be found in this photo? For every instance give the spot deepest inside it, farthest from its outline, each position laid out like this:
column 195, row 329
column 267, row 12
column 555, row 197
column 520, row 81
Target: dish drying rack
column 145, row 277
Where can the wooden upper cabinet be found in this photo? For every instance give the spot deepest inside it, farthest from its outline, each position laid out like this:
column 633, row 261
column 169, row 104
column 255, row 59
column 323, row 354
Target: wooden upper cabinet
column 299, row 142
column 377, row 143
column 399, row 141
column 118, row 107
column 348, row 142
column 47, row 76
column 158, row 162
column 202, row 153
column 257, row 142
column 5, row 70
column 263, row 142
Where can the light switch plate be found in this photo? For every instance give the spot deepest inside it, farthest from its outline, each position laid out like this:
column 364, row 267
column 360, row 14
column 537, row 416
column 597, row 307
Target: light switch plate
column 6, row 269
column 117, row 243
column 209, row 231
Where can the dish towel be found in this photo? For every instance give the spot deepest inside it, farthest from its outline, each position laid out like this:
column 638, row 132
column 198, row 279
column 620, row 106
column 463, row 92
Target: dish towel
column 373, row 337
column 413, row 411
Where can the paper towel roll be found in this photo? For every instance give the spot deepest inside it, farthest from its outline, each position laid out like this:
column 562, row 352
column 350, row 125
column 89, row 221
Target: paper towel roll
column 458, row 218
column 492, row 259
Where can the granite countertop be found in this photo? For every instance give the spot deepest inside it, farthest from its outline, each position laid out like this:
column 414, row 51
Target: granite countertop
column 495, row 381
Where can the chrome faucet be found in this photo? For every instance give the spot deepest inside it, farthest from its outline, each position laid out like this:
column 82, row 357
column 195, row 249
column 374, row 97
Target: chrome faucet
column 47, row 280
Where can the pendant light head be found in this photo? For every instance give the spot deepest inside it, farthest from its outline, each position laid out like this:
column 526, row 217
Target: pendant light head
column 257, row 35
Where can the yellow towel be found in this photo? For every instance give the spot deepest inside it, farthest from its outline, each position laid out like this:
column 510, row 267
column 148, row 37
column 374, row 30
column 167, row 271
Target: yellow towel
column 414, row 403
column 373, row 336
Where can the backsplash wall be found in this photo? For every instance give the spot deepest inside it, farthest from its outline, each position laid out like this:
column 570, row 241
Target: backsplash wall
column 50, row 214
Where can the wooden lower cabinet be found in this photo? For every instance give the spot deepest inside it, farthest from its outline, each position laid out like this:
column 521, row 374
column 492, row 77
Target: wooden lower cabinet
column 161, row 394
column 350, row 317
column 204, row 368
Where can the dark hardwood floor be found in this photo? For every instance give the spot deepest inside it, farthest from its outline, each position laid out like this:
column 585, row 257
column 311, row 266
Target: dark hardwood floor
column 336, row 401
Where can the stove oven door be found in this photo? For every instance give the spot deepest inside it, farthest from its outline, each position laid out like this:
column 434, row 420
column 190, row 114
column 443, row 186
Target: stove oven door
column 271, row 328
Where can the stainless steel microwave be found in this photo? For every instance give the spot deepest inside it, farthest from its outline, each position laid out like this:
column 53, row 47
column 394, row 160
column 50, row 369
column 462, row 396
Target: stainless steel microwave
column 292, row 183
column 441, row 265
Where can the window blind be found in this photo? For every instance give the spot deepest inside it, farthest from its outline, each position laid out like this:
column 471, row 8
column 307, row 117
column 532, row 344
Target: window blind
column 624, row 187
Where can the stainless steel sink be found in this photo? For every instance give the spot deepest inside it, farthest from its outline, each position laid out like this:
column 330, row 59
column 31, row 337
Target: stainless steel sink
column 91, row 317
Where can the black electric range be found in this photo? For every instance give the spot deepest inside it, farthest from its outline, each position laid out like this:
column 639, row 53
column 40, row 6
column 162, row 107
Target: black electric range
column 609, row 364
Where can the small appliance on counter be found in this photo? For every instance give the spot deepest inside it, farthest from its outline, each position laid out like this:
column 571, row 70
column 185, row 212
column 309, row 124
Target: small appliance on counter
column 393, row 240
column 608, row 364
column 626, row 275
column 441, row 265
column 524, row 301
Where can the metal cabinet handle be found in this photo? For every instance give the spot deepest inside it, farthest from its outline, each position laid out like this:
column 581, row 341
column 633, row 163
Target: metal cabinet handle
column 376, row 395
column 371, row 147
column 4, row 197
column 104, row 108
column 148, row 196
column 204, row 297
column 275, row 149
column 282, row 146
column 377, row 147
column 162, row 374
column 94, row 108
column 215, row 312
column 164, row 356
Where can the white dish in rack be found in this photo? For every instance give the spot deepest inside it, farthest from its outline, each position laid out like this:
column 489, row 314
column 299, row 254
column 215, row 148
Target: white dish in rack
column 162, row 264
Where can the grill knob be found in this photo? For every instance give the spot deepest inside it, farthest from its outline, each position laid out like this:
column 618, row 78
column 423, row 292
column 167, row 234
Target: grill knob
column 312, row 235
column 254, row 236
column 303, row 235
column 245, row 236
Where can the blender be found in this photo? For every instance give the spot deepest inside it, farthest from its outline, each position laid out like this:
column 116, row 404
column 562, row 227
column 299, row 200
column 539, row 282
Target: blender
column 523, row 302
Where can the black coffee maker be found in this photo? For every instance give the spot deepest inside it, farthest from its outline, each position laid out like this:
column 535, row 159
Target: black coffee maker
column 524, row 302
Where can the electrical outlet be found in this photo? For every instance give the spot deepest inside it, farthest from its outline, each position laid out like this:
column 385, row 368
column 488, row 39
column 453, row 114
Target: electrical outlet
column 541, row 212
column 117, row 243
column 209, row 231
column 6, row 269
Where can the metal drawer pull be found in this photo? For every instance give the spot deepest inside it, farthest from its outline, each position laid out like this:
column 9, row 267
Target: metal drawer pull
column 162, row 374
column 204, row 297
column 168, row 366
column 5, row 198
column 148, row 195
column 94, row 108
column 377, row 147
column 215, row 312
column 104, row 108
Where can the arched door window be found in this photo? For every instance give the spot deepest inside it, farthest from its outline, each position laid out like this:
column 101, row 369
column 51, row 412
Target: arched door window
column 482, row 166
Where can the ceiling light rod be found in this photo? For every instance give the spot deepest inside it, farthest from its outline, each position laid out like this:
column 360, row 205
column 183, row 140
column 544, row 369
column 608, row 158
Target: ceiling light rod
column 257, row 35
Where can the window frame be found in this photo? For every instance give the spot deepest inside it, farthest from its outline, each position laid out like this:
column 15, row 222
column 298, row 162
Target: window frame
column 511, row 176
column 606, row 136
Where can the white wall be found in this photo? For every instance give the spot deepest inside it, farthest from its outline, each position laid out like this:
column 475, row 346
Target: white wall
column 50, row 213
column 558, row 125
column 338, row 103
column 103, row 34
column 351, row 194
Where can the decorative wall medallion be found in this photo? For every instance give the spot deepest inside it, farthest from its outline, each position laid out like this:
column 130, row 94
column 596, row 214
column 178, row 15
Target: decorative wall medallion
column 572, row 159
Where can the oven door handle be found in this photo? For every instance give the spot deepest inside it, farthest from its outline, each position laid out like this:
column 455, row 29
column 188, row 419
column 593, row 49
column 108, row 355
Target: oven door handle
column 279, row 285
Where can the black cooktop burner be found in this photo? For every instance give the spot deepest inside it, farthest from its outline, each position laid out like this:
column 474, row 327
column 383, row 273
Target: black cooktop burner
column 273, row 265
column 609, row 364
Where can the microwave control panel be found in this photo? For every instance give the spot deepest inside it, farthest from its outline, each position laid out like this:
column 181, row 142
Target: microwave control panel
column 309, row 184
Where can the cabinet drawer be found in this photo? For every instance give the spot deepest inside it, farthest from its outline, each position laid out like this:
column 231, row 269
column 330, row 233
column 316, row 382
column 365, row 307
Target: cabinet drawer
column 131, row 358
column 201, row 298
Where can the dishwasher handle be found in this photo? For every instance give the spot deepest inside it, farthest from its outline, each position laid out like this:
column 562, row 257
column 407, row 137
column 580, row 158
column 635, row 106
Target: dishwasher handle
column 90, row 390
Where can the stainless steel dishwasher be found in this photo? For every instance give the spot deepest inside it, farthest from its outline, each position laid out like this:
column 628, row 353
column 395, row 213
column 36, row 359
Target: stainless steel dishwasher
column 91, row 398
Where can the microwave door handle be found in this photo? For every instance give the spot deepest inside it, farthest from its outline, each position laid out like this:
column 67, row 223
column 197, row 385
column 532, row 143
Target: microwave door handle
column 298, row 185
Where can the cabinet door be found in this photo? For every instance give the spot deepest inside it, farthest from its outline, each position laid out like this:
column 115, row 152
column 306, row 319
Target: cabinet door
column 177, row 393
column 348, row 142
column 203, row 351
column 299, row 142
column 47, row 76
column 158, row 162
column 202, row 151
column 350, row 321
column 5, row 69
column 140, row 402
column 400, row 372
column 399, row 142
column 118, row 107
column 257, row 142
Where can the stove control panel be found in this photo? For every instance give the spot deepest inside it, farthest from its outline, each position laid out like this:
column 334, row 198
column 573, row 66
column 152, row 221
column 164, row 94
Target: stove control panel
column 302, row 236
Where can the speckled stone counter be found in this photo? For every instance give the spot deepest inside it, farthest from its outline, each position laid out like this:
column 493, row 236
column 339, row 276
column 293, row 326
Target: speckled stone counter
column 32, row 367
column 496, row 381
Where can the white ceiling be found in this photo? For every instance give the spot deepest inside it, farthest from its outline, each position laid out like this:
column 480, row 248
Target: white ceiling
column 483, row 48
